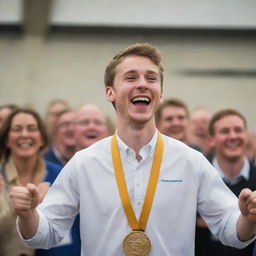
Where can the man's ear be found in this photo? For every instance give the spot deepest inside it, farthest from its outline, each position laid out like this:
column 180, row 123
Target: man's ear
column 110, row 94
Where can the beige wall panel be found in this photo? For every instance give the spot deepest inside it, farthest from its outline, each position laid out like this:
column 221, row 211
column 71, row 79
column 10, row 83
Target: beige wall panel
column 71, row 67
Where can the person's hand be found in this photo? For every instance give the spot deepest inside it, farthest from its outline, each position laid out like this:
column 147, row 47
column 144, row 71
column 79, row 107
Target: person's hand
column 200, row 222
column 247, row 204
column 1, row 184
column 43, row 188
column 25, row 199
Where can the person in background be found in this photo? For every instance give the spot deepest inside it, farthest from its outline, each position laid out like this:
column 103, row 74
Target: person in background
column 22, row 140
column 251, row 147
column 61, row 151
column 91, row 125
column 5, row 110
column 172, row 119
column 198, row 129
column 108, row 181
column 228, row 137
column 53, row 109
column 63, row 140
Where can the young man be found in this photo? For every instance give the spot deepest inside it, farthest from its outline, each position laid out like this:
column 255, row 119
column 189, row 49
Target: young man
column 228, row 136
column 109, row 191
column 172, row 118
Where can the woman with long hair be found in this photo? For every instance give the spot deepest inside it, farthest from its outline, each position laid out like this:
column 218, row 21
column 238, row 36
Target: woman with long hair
column 22, row 141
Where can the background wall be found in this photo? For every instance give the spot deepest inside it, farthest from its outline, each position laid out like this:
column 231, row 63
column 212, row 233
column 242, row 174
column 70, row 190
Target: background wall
column 206, row 68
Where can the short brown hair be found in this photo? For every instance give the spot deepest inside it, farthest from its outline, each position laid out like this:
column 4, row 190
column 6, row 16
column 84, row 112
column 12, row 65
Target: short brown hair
column 170, row 102
column 144, row 49
column 223, row 113
column 4, row 132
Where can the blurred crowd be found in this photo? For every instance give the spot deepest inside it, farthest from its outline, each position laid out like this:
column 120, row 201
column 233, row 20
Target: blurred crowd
column 34, row 150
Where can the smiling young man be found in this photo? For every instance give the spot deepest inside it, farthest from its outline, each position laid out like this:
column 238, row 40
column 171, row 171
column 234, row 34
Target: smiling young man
column 228, row 137
column 172, row 119
column 138, row 191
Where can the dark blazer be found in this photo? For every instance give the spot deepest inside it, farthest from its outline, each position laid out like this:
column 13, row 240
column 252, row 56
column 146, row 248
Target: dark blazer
column 51, row 157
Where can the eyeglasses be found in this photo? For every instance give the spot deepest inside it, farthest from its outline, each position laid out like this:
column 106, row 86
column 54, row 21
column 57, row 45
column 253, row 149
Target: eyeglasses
column 19, row 129
column 66, row 124
column 87, row 122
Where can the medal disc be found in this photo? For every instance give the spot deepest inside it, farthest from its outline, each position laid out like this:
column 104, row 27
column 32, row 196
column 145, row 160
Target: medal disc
column 136, row 244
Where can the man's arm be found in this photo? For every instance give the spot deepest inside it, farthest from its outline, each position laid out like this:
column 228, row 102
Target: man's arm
column 24, row 201
column 246, row 225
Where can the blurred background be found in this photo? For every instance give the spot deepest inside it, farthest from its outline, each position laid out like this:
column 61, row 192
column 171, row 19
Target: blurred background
column 59, row 49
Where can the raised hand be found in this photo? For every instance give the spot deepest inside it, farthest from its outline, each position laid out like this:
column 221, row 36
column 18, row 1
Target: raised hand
column 25, row 199
column 43, row 188
column 247, row 204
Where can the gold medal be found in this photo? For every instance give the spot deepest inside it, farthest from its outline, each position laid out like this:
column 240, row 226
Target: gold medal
column 136, row 244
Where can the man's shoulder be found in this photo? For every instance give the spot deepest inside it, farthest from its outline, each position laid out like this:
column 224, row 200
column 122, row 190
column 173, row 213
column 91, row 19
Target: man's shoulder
column 99, row 147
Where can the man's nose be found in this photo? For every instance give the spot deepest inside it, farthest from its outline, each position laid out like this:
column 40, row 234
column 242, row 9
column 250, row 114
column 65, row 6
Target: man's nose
column 142, row 83
column 232, row 134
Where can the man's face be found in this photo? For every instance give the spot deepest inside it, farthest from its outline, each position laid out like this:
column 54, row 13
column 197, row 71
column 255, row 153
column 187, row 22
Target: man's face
column 65, row 133
column 52, row 116
column 90, row 127
column 229, row 139
column 136, row 91
column 199, row 123
column 173, row 122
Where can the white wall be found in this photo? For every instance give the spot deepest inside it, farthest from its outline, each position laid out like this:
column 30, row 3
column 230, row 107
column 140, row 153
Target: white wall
column 71, row 66
column 144, row 13
column 161, row 13
column 10, row 11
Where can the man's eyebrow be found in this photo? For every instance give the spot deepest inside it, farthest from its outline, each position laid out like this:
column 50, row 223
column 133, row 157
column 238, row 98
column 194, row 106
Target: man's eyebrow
column 129, row 71
column 135, row 71
column 152, row 72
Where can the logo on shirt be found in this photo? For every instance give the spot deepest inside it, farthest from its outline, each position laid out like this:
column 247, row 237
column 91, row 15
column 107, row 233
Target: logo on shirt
column 173, row 180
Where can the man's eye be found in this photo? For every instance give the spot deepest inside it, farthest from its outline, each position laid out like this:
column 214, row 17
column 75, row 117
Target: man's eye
column 130, row 78
column 152, row 78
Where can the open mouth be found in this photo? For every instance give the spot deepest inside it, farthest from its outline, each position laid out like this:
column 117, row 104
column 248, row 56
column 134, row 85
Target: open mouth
column 91, row 137
column 141, row 100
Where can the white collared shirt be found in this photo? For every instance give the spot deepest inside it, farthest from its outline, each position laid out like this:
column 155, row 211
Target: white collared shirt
column 187, row 184
column 244, row 172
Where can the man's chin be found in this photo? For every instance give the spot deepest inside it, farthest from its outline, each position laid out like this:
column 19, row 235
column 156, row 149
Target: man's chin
column 233, row 158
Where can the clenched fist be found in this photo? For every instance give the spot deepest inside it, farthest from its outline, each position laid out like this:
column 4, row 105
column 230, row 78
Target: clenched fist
column 25, row 199
column 247, row 204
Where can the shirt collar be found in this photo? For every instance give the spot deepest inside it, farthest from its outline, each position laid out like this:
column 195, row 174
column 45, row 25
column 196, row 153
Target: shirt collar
column 144, row 151
column 245, row 171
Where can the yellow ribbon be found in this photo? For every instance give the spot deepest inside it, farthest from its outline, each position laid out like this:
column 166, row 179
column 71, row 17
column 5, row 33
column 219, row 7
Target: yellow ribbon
column 153, row 179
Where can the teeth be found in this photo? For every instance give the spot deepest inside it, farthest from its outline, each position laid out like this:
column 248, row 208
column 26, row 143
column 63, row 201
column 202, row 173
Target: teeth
column 24, row 145
column 141, row 99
